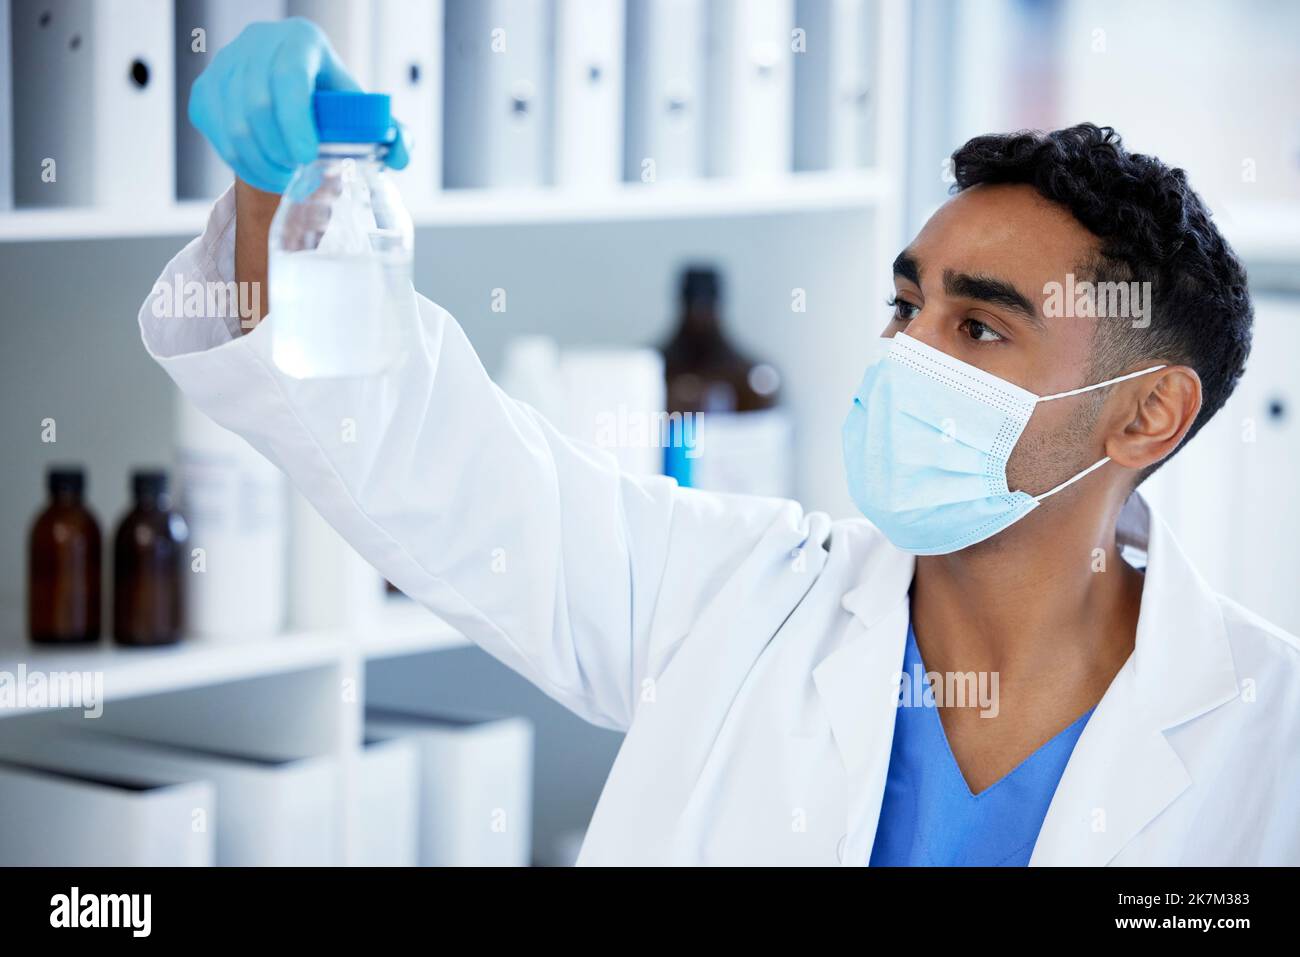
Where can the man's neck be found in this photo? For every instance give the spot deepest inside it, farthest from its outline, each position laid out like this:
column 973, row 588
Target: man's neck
column 1050, row 600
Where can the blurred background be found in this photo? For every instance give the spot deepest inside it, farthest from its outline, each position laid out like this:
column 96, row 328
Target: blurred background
column 601, row 190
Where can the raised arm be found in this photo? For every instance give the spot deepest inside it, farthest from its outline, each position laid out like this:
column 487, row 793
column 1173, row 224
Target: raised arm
column 253, row 211
column 585, row 580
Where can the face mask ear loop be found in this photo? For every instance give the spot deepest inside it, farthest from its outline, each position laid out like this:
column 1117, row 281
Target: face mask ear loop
column 1099, row 385
column 1070, row 481
column 1088, row 388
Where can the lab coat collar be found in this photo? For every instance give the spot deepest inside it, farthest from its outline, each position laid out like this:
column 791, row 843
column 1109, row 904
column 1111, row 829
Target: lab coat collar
column 858, row 685
column 1182, row 660
column 1123, row 771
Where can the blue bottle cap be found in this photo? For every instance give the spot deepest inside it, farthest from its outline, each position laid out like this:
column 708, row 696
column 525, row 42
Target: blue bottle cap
column 351, row 117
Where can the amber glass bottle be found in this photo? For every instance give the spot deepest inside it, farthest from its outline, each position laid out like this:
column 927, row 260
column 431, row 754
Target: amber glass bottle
column 63, row 565
column 149, row 566
column 729, row 433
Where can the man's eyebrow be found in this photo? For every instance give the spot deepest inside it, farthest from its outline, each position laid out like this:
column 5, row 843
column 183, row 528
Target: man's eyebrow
column 905, row 266
column 991, row 290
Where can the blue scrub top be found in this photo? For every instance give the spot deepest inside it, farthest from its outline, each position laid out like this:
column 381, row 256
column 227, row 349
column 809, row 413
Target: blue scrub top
column 929, row 817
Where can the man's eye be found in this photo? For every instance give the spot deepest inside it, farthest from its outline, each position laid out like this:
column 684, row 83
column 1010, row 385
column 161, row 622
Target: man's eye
column 904, row 311
column 980, row 332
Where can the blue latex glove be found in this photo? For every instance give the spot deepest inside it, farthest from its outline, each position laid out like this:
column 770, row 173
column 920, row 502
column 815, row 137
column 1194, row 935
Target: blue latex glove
column 253, row 102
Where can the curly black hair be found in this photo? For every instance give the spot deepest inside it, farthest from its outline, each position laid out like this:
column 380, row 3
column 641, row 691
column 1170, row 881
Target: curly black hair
column 1152, row 228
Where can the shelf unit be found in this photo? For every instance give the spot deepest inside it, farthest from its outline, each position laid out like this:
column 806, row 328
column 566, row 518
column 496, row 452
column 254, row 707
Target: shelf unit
column 297, row 693
column 305, row 691
column 1262, row 233
column 402, row 627
column 796, row 193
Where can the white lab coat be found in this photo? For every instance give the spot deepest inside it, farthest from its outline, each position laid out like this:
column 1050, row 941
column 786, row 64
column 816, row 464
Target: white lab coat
column 749, row 649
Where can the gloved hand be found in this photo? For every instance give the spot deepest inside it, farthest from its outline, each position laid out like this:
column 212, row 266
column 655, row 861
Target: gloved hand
column 253, row 102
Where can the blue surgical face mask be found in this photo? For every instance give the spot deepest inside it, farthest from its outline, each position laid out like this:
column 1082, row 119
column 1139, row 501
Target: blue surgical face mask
column 926, row 445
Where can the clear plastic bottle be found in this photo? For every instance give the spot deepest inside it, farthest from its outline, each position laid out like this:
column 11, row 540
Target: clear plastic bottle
column 340, row 246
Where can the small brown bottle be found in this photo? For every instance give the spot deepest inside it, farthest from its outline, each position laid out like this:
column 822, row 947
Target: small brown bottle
column 744, row 436
column 63, row 565
column 148, row 566
column 704, row 371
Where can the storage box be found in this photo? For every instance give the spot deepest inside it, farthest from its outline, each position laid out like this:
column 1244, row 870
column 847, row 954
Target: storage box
column 389, row 800
column 475, row 786
column 50, row 818
column 272, row 813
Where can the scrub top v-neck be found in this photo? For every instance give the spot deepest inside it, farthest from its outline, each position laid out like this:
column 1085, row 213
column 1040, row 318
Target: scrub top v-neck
column 929, row 817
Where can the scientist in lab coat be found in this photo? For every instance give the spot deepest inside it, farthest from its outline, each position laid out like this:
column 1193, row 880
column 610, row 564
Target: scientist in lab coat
column 752, row 651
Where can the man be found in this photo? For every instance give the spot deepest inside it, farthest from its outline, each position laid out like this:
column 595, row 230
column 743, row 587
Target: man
column 752, row 652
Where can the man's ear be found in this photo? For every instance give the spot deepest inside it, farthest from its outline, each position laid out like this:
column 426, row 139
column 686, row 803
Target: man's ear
column 1163, row 407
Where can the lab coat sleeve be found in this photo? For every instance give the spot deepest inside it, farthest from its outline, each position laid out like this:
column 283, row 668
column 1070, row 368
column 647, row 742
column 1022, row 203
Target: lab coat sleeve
column 583, row 579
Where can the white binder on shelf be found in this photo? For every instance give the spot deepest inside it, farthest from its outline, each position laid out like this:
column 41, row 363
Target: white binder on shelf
column 589, row 42
column 50, row 818
column 604, row 396
column 330, row 584
column 498, row 91
column 407, row 65
column 236, row 505
column 95, row 122
column 389, row 802
column 6, row 112
column 475, row 786
column 834, row 94
column 664, row 123
column 751, row 88
column 200, row 172
column 349, row 24
column 271, row 813
column 611, row 397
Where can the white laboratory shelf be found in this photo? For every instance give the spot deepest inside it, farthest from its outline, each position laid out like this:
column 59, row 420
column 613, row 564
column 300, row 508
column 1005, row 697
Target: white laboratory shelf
column 630, row 202
column 40, row 225
column 401, row 628
column 796, row 193
column 1262, row 232
column 194, row 662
